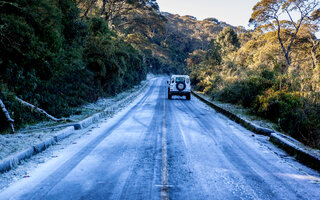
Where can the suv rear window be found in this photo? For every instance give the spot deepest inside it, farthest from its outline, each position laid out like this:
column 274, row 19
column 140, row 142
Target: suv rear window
column 179, row 79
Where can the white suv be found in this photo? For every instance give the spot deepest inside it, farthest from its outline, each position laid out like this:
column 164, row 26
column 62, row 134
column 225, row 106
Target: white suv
column 179, row 85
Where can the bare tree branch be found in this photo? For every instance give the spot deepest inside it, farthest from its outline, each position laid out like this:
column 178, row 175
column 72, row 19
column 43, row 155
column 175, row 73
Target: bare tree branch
column 39, row 110
column 7, row 115
column 289, row 16
column 264, row 9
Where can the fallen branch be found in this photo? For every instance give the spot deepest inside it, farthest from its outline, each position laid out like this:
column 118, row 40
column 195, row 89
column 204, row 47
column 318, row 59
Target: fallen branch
column 39, row 110
column 7, row 115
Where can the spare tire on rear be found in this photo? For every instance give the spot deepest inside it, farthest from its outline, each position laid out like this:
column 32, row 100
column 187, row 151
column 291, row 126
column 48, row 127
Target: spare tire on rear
column 180, row 86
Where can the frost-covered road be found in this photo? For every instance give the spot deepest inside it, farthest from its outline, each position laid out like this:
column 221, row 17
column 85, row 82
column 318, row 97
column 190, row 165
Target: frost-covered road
column 168, row 149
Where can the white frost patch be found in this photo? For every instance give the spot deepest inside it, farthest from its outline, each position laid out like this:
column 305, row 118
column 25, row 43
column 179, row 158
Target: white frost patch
column 11, row 144
column 246, row 115
column 51, row 159
column 243, row 113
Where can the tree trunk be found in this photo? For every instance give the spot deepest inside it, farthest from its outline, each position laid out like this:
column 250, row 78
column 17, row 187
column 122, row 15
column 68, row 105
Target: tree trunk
column 314, row 59
column 88, row 9
column 7, row 115
column 286, row 51
column 39, row 110
column 313, row 53
column 286, row 54
column 110, row 23
column 292, row 40
column 103, row 9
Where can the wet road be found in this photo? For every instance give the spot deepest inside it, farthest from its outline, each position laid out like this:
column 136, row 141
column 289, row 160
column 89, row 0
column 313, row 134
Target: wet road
column 168, row 149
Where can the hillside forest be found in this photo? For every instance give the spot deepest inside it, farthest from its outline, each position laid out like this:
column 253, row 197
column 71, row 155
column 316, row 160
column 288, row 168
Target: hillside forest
column 60, row 54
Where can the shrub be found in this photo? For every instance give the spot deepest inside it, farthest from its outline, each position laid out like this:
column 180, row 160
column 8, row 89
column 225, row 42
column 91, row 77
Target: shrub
column 245, row 92
column 293, row 113
column 52, row 59
column 19, row 113
column 116, row 65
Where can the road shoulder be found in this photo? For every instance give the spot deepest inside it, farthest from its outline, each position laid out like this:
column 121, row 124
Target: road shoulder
column 16, row 148
column 302, row 153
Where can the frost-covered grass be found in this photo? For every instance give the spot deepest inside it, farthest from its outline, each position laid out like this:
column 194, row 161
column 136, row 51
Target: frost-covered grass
column 87, row 110
column 244, row 113
column 248, row 115
column 13, row 143
column 10, row 144
column 103, row 103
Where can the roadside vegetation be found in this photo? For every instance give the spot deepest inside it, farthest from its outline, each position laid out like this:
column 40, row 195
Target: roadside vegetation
column 55, row 59
column 274, row 70
column 60, row 54
column 56, row 55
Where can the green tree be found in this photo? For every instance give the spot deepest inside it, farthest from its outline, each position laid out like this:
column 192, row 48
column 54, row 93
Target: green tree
column 212, row 56
column 269, row 13
column 228, row 40
column 52, row 59
column 111, row 10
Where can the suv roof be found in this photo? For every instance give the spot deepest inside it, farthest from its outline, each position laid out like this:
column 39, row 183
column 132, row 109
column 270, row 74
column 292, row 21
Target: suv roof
column 186, row 76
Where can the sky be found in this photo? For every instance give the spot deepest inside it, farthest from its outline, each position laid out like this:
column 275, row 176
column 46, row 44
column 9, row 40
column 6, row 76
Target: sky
column 234, row 12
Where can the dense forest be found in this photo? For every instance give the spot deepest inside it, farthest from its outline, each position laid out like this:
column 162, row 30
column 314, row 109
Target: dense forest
column 53, row 57
column 60, row 54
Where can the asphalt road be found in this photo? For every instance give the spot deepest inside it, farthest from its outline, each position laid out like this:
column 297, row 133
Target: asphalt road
column 168, row 149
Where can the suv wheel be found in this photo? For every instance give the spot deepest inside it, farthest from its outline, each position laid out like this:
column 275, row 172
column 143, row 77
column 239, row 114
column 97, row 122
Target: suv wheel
column 188, row 96
column 180, row 86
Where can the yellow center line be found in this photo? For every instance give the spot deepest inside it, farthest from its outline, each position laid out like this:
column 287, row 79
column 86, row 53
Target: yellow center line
column 165, row 188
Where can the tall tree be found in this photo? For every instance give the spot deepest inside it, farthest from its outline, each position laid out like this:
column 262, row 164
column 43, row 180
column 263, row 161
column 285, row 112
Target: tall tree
column 145, row 21
column 113, row 9
column 228, row 40
column 279, row 15
column 212, row 56
column 314, row 27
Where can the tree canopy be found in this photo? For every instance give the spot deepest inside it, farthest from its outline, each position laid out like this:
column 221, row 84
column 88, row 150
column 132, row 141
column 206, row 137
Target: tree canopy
column 269, row 14
column 55, row 60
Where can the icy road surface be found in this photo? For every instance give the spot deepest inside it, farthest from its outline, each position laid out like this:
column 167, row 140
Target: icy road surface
column 168, row 149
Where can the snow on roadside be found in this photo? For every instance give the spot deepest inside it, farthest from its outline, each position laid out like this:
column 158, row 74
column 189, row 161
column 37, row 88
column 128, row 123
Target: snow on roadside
column 27, row 166
column 247, row 115
column 13, row 143
column 25, row 169
column 243, row 113
column 103, row 103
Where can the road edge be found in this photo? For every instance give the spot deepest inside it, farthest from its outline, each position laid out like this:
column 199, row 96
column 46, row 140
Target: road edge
column 13, row 161
column 282, row 141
